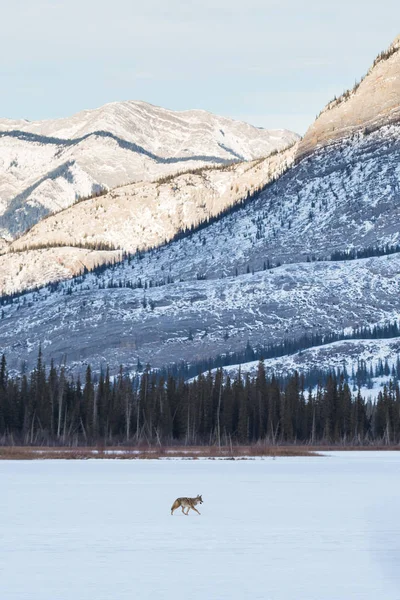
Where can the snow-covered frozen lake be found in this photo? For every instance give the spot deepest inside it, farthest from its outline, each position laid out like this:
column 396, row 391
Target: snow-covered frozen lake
column 287, row 529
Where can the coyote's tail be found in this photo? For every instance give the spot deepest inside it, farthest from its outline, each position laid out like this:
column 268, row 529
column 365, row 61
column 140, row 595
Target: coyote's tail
column 175, row 505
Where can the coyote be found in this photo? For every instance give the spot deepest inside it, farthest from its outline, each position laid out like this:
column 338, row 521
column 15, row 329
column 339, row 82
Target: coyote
column 188, row 503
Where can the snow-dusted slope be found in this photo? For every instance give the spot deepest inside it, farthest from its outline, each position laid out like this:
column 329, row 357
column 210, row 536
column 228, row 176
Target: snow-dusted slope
column 28, row 270
column 135, row 216
column 46, row 165
column 89, row 321
column 337, row 199
column 348, row 354
column 164, row 133
column 340, row 198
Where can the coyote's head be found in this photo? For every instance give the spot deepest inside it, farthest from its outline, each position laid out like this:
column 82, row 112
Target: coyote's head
column 199, row 498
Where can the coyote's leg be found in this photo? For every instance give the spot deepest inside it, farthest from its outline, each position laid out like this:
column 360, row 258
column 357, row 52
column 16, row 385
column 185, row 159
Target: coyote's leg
column 187, row 512
column 195, row 510
column 183, row 510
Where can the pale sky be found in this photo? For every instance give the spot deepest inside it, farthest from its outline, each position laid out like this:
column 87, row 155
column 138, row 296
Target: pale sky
column 272, row 63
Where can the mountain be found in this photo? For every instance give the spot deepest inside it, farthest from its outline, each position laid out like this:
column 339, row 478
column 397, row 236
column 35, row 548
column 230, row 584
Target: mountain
column 340, row 199
column 47, row 165
column 141, row 215
column 214, row 291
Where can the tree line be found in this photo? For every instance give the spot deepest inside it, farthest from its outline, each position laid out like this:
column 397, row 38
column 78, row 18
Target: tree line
column 285, row 347
column 47, row 406
column 368, row 252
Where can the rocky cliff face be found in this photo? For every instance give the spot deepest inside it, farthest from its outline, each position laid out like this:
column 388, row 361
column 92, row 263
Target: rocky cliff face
column 371, row 104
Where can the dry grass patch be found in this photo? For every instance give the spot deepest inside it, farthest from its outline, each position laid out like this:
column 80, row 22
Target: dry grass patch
column 171, row 452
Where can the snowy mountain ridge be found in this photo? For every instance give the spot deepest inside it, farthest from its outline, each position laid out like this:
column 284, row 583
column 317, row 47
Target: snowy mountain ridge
column 46, row 165
column 157, row 130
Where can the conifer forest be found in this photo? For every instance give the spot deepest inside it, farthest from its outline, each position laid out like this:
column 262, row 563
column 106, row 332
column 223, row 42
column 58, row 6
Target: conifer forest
column 50, row 407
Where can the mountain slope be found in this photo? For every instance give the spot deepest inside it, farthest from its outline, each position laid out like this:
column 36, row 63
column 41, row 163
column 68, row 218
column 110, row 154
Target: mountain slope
column 116, row 318
column 333, row 356
column 140, row 215
column 340, row 198
column 372, row 103
column 372, row 355
column 46, row 165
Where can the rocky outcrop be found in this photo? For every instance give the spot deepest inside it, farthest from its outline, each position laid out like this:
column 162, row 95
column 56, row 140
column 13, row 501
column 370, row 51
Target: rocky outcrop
column 372, row 103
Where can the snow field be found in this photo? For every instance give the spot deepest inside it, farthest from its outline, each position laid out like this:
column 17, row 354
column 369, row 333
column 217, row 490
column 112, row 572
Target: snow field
column 286, row 529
